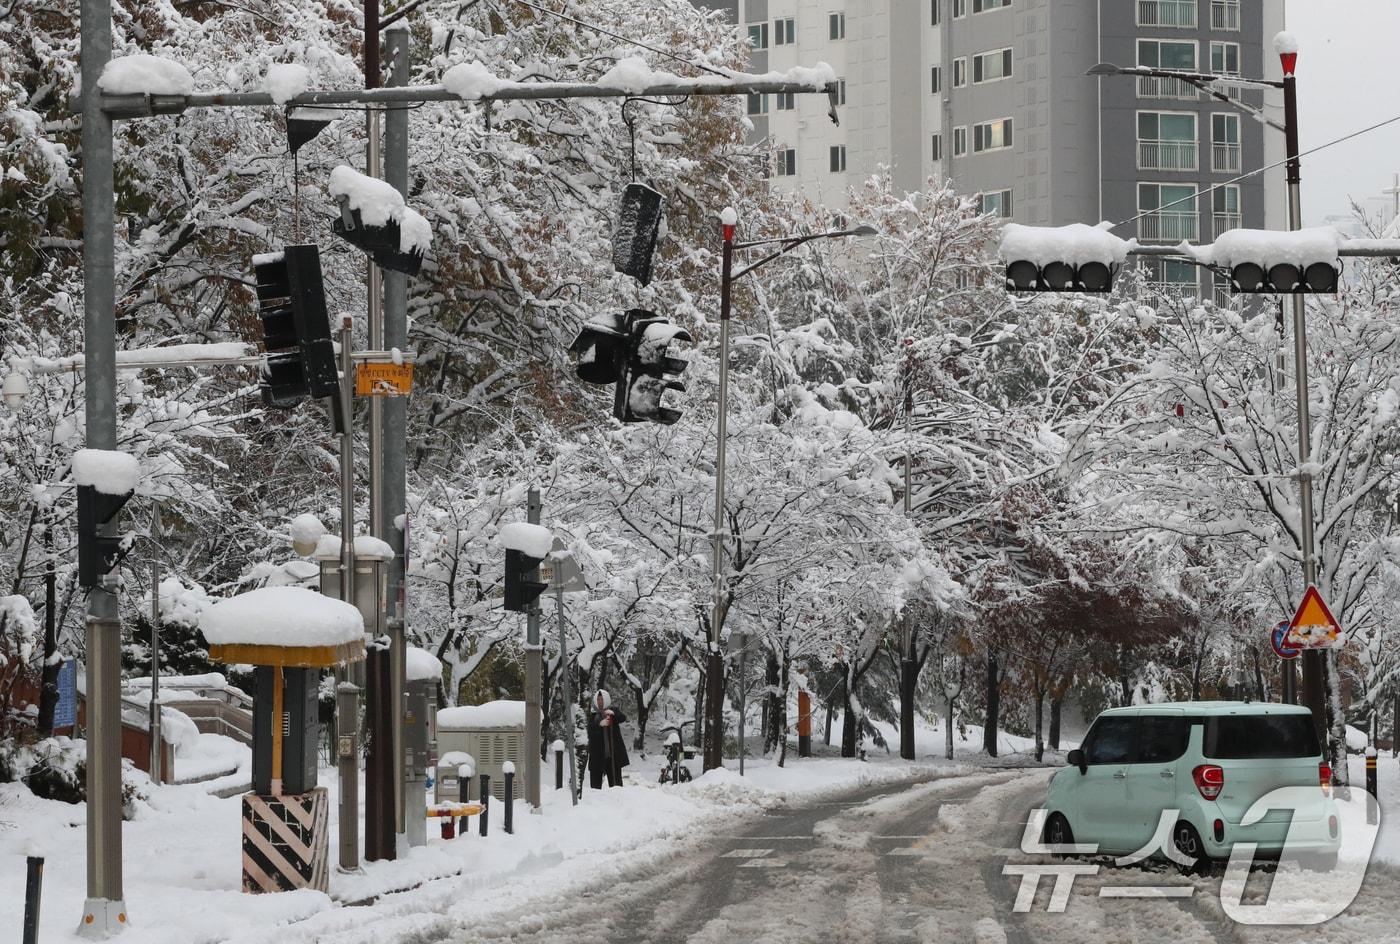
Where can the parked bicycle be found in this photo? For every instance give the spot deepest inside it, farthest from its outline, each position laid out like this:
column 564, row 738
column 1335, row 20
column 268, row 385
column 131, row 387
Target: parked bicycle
column 675, row 770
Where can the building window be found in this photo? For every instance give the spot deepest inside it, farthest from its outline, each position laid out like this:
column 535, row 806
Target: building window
column 758, row 35
column 785, row 31
column 982, row 6
column 1225, row 58
column 938, row 147
column 1170, row 212
column 991, row 66
column 1166, row 140
column 1225, row 15
column 786, row 101
column 1226, row 213
column 959, row 9
column 959, row 141
column 838, row 159
column 758, row 104
column 936, row 79
column 841, row 91
column 996, row 203
column 1225, row 143
column 1180, row 13
column 1166, row 54
column 934, row 5
column 959, row 72
column 837, row 25
column 1172, row 277
column 787, row 162
column 991, row 135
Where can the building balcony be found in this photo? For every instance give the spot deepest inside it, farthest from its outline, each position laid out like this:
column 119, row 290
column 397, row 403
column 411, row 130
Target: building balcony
column 1222, row 222
column 1152, row 86
column 1225, row 15
column 1166, row 155
column 1170, row 227
column 1180, row 13
column 1225, row 158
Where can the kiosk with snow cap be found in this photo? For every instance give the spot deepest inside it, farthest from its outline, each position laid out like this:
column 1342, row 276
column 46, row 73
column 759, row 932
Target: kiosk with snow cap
column 288, row 634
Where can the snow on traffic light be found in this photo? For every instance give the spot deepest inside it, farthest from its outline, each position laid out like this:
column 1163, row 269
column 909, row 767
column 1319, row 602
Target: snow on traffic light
column 526, row 545
column 106, row 480
column 1073, row 258
column 1268, row 262
column 634, row 352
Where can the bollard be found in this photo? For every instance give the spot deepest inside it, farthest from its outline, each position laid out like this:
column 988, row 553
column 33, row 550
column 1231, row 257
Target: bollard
column 448, row 832
column 558, row 765
column 485, row 800
column 1371, row 813
column 33, row 887
column 509, row 769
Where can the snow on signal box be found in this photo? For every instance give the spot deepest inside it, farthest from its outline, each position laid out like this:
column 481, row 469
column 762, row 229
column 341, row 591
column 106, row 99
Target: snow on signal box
column 1313, row 626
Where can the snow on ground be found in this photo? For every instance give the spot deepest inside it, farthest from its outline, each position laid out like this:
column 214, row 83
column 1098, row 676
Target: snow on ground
column 1388, row 790
column 182, row 858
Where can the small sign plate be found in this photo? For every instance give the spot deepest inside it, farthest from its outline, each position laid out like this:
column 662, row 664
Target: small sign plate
column 383, row 380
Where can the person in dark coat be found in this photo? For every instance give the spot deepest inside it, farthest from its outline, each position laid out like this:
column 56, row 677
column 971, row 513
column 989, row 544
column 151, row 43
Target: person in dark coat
column 607, row 748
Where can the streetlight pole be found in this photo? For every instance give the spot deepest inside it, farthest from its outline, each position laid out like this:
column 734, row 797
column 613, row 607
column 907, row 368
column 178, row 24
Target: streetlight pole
column 908, row 667
column 713, row 750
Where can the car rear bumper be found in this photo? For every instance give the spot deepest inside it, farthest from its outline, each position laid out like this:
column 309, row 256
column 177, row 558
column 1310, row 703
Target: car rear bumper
column 1310, row 836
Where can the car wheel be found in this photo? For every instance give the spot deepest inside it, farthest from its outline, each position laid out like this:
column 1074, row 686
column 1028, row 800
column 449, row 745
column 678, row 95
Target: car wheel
column 1057, row 832
column 1188, row 843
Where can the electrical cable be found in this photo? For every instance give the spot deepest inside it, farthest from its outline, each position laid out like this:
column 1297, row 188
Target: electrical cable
column 626, row 39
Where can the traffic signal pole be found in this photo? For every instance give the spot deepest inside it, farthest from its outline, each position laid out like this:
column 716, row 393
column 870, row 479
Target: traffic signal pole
column 1314, row 682
column 533, row 675
column 908, row 667
column 713, row 749
column 104, row 911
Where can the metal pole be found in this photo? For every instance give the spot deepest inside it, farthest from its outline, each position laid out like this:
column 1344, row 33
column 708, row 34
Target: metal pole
column 48, row 697
column 1313, row 684
column 347, row 710
column 533, row 654
column 156, row 771
column 567, row 694
column 347, row 703
column 743, row 680
column 104, row 912
column 394, row 413
column 33, row 893
column 907, row 665
column 714, row 672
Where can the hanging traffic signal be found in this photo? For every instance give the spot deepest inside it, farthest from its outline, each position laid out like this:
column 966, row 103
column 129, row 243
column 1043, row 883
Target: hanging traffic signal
column 522, row 580
column 599, row 347
column 648, row 369
column 98, row 553
column 296, row 330
column 634, row 239
column 1285, row 278
column 1025, row 276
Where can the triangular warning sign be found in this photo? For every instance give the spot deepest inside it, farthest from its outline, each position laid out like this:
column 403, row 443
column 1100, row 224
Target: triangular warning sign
column 1313, row 626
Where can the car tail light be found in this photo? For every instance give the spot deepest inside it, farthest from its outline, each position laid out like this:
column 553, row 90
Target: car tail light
column 1209, row 780
column 1324, row 778
column 1220, row 830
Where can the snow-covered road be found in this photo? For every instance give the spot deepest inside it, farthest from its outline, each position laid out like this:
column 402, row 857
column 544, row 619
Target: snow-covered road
column 900, row 864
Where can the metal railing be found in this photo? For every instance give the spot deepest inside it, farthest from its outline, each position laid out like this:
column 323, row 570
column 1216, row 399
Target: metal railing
column 1225, row 15
column 1158, row 86
column 1169, row 226
column 1166, row 155
column 1225, row 158
column 1226, row 221
column 1167, row 13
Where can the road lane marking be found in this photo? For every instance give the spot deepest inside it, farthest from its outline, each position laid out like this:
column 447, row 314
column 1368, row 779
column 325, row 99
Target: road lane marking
column 1147, row 891
column 745, row 853
column 764, row 863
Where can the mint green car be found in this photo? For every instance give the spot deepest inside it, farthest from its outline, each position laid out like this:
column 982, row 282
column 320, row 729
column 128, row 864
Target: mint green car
column 1208, row 761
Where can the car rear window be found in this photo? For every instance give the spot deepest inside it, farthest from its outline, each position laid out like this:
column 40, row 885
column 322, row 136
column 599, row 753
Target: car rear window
column 1244, row 737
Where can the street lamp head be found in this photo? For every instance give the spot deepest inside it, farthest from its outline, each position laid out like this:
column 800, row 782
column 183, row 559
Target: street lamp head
column 1286, row 45
column 15, row 390
column 1105, row 68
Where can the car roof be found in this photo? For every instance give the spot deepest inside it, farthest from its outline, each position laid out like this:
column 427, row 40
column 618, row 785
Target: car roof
column 1213, row 708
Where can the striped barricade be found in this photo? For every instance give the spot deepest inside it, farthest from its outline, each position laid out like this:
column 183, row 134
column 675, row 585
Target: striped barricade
column 285, row 842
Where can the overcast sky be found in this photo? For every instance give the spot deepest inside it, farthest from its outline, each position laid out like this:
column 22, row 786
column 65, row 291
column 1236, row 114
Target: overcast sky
column 1348, row 63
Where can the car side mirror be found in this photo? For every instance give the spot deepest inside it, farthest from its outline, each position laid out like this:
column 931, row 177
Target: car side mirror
column 1076, row 759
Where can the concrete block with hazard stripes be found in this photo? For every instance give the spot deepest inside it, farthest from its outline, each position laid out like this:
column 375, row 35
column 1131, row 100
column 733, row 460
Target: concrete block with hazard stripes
column 285, row 841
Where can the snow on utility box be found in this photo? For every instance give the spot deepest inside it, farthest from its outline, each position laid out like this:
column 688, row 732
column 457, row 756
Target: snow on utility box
column 493, row 734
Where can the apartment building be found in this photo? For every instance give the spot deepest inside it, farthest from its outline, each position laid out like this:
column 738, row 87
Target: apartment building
column 993, row 95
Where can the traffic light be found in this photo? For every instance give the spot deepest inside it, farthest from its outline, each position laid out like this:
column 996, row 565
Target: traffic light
column 647, row 368
column 385, row 243
column 634, row 240
column 1023, row 275
column 522, row 580
column 1285, row 278
column 98, row 553
column 296, row 331
column 599, row 347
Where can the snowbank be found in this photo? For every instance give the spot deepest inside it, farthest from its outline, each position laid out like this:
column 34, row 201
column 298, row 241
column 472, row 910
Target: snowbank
column 285, row 81
column 1265, row 247
column 144, row 74
column 531, row 540
column 111, row 473
column 493, row 714
column 282, row 616
column 421, row 665
column 1075, row 244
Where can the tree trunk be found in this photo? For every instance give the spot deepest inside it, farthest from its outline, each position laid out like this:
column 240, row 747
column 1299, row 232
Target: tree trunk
column 643, row 710
column 699, row 702
column 774, row 701
column 948, row 734
column 831, row 709
column 1039, row 723
column 1260, row 694
column 1056, row 704
column 1332, row 689
column 848, row 719
column 989, row 729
